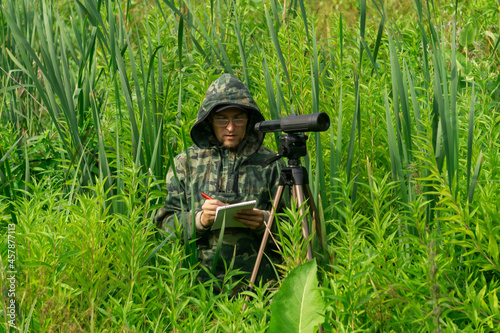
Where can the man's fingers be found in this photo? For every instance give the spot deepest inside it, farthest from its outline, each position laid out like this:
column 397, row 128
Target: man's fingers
column 252, row 218
column 249, row 223
column 212, row 205
column 209, row 209
column 250, row 214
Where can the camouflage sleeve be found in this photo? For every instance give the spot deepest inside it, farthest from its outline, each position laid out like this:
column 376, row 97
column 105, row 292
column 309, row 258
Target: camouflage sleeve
column 175, row 216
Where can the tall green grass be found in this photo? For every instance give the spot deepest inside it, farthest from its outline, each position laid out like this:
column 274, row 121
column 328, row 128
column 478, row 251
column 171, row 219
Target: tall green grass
column 98, row 97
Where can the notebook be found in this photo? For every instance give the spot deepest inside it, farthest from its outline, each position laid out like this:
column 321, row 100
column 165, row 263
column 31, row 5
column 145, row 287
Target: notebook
column 228, row 212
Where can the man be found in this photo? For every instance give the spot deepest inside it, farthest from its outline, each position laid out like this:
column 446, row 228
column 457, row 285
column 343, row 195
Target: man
column 227, row 163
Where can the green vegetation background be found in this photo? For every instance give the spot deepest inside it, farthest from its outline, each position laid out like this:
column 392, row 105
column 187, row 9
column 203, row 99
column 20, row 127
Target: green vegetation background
column 96, row 97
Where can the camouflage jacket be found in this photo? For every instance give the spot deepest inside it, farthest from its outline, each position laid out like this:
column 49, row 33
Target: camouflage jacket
column 228, row 175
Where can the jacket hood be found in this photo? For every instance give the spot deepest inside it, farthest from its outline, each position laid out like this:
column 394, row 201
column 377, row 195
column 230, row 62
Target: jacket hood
column 226, row 90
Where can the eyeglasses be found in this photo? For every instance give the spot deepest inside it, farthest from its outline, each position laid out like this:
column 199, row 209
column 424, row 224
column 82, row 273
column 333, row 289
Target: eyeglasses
column 223, row 122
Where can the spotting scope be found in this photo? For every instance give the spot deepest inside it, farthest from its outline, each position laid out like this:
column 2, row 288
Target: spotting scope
column 314, row 122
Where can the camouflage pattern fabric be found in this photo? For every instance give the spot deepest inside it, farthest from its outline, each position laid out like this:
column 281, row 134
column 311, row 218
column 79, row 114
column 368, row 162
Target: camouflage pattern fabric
column 225, row 174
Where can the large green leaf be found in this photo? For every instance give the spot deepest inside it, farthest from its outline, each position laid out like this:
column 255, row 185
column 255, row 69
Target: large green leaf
column 467, row 35
column 298, row 305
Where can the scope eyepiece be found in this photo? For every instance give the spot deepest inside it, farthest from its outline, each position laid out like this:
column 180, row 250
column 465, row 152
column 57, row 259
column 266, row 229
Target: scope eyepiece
column 315, row 122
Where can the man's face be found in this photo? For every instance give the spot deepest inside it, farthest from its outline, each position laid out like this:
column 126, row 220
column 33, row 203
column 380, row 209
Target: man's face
column 230, row 126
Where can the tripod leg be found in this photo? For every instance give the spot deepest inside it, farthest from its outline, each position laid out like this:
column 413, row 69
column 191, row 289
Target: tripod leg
column 260, row 254
column 299, row 196
column 314, row 212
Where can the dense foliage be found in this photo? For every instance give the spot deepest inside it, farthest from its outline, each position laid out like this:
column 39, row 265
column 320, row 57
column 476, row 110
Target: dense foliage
column 96, row 97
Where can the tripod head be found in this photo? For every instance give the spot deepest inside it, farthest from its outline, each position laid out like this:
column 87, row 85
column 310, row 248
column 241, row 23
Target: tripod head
column 292, row 146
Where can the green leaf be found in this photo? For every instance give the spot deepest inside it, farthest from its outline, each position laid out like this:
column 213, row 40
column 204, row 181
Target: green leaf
column 470, row 139
column 7, row 154
column 26, row 323
column 493, row 246
column 298, row 305
column 467, row 35
column 276, row 43
column 304, row 17
column 493, row 298
column 475, row 175
column 241, row 48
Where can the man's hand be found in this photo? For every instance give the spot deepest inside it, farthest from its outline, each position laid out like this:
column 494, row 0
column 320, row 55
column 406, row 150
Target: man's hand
column 252, row 218
column 208, row 215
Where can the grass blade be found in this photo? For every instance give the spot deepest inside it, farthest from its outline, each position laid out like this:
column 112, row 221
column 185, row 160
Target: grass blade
column 219, row 244
column 336, row 147
column 242, row 50
column 304, row 17
column 277, row 46
column 372, row 59
column 156, row 249
column 25, row 327
column 273, row 107
column 470, row 136
column 352, row 138
column 379, row 33
column 453, row 116
column 397, row 86
column 475, row 176
column 179, row 41
column 362, row 25
column 7, row 154
column 414, row 99
column 396, row 164
column 441, row 96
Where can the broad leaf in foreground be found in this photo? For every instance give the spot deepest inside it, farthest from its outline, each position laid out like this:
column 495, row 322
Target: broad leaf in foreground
column 298, row 305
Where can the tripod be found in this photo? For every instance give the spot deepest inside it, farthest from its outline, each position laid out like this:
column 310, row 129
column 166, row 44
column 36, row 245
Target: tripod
column 292, row 146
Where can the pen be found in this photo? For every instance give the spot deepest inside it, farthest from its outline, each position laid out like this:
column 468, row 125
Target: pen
column 206, row 196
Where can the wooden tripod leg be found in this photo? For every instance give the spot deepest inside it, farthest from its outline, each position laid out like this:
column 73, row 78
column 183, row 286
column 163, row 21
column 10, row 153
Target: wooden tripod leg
column 314, row 212
column 253, row 277
column 298, row 192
